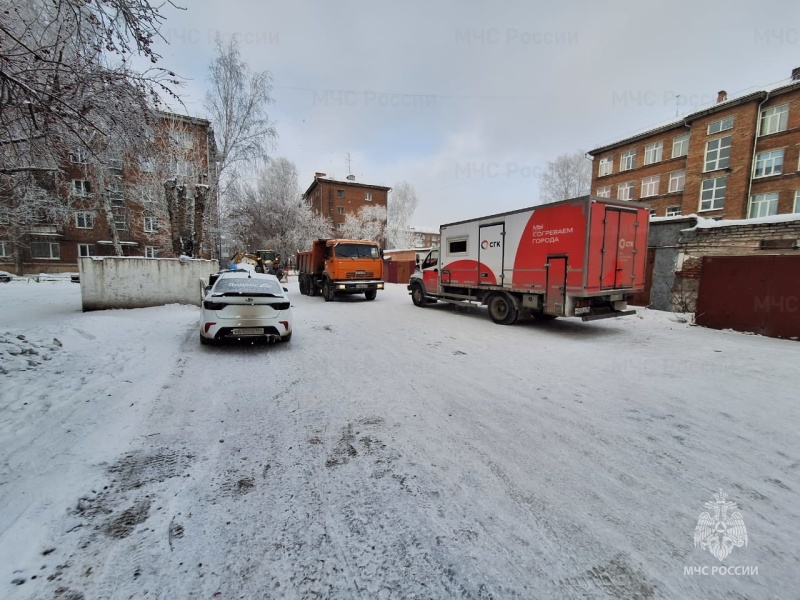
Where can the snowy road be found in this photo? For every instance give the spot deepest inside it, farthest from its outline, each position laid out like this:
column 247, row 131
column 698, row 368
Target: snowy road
column 389, row 451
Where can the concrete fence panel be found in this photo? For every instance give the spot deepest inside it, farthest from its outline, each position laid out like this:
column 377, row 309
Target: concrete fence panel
column 135, row 282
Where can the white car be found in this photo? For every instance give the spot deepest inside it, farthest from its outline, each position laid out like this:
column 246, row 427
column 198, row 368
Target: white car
column 245, row 305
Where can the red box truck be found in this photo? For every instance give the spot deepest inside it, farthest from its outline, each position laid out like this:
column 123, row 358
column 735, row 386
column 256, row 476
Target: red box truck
column 576, row 258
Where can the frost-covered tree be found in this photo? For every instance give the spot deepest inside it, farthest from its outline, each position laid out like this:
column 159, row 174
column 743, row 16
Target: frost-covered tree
column 272, row 213
column 66, row 86
column 401, row 205
column 568, row 176
column 368, row 224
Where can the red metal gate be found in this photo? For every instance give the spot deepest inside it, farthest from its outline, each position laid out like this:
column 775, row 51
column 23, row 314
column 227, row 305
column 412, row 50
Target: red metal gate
column 757, row 294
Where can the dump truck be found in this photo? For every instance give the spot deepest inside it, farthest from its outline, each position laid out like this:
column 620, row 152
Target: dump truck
column 581, row 257
column 340, row 267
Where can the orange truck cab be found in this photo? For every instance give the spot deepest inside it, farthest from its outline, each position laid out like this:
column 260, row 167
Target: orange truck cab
column 341, row 267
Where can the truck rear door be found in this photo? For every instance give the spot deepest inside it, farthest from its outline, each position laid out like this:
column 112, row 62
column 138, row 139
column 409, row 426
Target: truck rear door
column 619, row 248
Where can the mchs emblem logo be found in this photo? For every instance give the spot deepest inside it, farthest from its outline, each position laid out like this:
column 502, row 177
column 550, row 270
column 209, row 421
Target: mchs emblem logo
column 720, row 532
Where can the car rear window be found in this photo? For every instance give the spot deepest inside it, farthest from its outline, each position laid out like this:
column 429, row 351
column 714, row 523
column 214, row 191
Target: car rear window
column 246, row 285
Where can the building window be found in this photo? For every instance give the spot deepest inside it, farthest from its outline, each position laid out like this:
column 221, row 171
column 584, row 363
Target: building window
column 763, row 205
column 5, row 249
column 150, row 224
column 712, row 193
column 677, row 181
column 79, row 156
column 606, row 166
column 625, row 191
column 84, row 220
column 368, row 196
column 721, row 125
column 340, row 226
column 152, row 251
column 627, row 160
column 85, row 250
column 773, row 119
column 80, row 188
column 673, row 211
column 45, row 250
column 604, row 192
column 148, row 195
column 796, row 201
column 652, row 153
column 340, row 210
column 340, row 193
column 650, row 186
column 120, row 222
column 768, row 163
column 147, row 164
column 680, row 145
column 653, row 212
column 181, row 138
column 182, row 168
column 116, row 191
column 718, row 153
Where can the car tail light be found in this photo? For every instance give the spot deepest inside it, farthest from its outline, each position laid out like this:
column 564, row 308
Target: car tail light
column 209, row 326
column 214, row 305
column 285, row 324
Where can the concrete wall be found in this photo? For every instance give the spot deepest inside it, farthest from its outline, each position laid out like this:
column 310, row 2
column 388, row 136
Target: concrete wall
column 133, row 282
column 664, row 236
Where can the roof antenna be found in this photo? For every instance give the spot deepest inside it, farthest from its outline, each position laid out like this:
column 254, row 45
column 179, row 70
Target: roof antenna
column 676, row 103
column 349, row 172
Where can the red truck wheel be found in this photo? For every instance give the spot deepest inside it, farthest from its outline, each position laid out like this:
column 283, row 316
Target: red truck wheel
column 502, row 310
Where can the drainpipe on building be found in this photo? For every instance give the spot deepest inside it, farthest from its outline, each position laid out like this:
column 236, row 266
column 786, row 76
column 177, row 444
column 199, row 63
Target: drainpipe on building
column 753, row 157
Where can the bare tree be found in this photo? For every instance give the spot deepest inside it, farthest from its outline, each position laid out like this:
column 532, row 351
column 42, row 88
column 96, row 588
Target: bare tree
column 401, row 205
column 237, row 105
column 568, row 176
column 368, row 224
column 66, row 87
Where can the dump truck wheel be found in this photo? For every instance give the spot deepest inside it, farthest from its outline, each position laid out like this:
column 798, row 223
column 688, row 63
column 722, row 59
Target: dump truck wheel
column 370, row 295
column 303, row 283
column 502, row 310
column 327, row 291
column 418, row 296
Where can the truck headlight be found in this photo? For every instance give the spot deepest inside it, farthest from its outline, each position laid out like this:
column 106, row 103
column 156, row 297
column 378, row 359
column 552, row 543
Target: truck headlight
column 380, row 286
column 341, row 286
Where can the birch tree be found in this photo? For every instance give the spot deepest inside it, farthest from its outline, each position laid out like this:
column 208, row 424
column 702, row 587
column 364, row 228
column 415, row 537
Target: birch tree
column 568, row 176
column 401, row 205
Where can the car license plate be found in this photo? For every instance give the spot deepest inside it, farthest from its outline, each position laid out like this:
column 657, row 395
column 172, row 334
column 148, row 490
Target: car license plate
column 582, row 310
column 361, row 286
column 248, row 331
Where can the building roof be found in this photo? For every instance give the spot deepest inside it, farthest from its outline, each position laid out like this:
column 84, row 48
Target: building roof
column 760, row 95
column 318, row 180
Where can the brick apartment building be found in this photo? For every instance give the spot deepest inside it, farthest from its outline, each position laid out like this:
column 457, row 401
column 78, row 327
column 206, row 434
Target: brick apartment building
column 335, row 199
column 738, row 159
column 183, row 148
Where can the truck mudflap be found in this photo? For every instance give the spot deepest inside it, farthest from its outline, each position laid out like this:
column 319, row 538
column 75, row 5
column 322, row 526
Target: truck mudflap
column 609, row 315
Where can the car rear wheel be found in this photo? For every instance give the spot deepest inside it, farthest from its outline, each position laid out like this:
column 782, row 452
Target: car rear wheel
column 205, row 341
column 502, row 310
column 286, row 338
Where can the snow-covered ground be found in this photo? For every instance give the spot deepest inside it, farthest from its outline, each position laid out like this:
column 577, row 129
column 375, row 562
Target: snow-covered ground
column 388, row 451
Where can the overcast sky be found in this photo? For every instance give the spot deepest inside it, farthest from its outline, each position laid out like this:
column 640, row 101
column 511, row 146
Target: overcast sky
column 468, row 101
